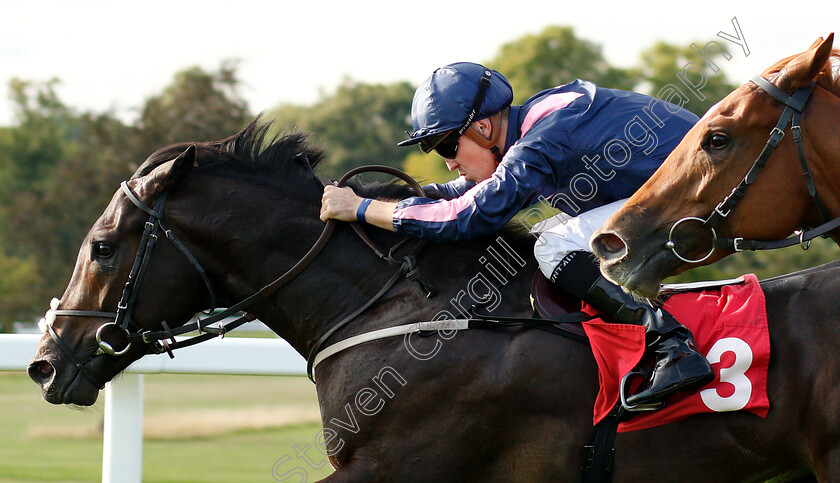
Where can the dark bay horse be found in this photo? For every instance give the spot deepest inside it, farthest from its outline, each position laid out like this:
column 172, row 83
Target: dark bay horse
column 718, row 155
column 512, row 404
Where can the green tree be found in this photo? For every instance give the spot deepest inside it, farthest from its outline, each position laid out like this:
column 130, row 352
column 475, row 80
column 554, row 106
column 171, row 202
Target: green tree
column 553, row 57
column 19, row 276
column 57, row 171
column 665, row 64
column 359, row 124
column 197, row 106
column 59, row 168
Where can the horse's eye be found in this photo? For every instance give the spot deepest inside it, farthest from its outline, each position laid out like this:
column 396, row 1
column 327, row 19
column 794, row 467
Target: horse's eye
column 718, row 141
column 103, row 250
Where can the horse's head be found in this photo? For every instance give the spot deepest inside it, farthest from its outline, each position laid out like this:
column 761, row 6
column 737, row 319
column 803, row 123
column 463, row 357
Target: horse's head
column 639, row 245
column 83, row 347
column 177, row 238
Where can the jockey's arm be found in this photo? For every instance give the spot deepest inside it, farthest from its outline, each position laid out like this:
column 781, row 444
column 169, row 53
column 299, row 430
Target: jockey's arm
column 342, row 204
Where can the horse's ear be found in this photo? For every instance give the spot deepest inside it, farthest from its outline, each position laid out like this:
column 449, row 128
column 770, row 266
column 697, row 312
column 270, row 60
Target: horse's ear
column 303, row 160
column 169, row 173
column 816, row 43
column 805, row 67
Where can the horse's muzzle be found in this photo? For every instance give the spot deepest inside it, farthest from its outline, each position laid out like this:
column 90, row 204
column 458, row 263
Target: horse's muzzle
column 61, row 384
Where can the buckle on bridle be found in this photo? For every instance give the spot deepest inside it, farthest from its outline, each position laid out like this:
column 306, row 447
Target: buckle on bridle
column 796, row 131
column 736, row 244
column 776, row 136
column 720, row 205
column 144, row 337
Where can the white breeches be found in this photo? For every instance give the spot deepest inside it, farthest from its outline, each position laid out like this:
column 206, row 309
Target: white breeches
column 568, row 234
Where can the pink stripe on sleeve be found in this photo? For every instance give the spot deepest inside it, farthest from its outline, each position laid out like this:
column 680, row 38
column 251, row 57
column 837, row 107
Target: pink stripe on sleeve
column 443, row 210
column 546, row 106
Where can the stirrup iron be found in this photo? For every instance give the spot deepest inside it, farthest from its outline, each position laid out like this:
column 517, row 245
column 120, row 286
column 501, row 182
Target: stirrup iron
column 636, row 407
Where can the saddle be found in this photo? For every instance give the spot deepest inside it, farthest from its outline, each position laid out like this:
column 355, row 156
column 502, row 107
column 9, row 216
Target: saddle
column 729, row 324
column 549, row 301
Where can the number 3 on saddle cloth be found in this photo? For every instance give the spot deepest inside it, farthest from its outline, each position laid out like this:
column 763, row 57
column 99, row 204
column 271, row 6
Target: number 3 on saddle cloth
column 729, row 325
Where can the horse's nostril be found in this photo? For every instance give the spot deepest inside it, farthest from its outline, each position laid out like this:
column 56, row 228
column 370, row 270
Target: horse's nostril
column 41, row 371
column 609, row 246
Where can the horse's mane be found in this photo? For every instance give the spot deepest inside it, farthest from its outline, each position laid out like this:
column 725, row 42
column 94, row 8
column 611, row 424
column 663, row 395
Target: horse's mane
column 269, row 150
column 261, row 146
column 829, row 76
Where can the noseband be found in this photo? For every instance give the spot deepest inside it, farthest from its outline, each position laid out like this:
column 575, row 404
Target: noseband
column 157, row 342
column 794, row 105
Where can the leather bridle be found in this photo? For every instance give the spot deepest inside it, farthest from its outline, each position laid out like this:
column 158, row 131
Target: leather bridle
column 794, row 106
column 115, row 339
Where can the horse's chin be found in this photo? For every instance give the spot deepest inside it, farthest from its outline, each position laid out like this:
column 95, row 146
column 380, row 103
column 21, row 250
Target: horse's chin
column 644, row 277
column 75, row 395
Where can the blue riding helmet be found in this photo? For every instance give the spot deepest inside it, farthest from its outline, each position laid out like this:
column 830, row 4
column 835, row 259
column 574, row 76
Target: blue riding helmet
column 445, row 100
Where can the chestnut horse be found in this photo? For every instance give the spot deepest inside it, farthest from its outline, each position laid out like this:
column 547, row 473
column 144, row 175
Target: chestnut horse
column 668, row 225
column 510, row 404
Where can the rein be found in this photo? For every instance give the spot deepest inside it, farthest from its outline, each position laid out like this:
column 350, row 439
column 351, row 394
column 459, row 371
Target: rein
column 164, row 340
column 794, row 106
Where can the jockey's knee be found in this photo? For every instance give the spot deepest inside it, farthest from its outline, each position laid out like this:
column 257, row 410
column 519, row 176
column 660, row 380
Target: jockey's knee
column 550, row 250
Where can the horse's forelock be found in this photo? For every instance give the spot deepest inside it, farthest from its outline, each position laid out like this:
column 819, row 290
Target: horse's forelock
column 833, row 71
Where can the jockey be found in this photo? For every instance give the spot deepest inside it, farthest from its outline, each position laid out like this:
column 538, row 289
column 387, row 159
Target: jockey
column 583, row 148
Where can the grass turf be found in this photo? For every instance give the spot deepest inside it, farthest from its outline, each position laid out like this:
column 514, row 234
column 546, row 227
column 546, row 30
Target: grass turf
column 198, row 428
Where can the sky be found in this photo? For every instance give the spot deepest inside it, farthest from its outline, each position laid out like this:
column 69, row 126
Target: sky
column 113, row 55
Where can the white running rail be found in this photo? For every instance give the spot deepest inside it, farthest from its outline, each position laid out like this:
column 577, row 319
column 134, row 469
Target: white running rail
column 122, row 453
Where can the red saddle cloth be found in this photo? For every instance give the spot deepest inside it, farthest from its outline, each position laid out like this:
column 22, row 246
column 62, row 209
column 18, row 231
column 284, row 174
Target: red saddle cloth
column 729, row 325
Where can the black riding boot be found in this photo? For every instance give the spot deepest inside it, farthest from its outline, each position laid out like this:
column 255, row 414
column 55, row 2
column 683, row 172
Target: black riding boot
column 679, row 367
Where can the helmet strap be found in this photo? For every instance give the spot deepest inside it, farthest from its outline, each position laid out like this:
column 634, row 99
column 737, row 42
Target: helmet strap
column 498, row 123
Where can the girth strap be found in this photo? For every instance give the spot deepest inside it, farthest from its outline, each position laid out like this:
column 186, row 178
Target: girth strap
column 474, row 322
column 599, row 457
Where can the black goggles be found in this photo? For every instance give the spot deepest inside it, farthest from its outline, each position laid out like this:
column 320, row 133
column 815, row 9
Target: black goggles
column 445, row 144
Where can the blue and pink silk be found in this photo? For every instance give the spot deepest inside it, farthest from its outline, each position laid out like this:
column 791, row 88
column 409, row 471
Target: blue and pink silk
column 578, row 145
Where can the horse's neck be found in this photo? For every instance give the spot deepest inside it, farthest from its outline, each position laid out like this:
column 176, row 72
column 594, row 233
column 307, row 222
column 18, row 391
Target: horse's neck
column 347, row 276
column 340, row 280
